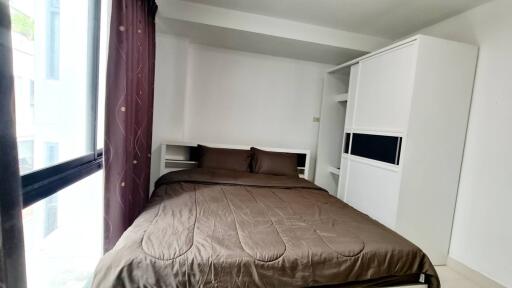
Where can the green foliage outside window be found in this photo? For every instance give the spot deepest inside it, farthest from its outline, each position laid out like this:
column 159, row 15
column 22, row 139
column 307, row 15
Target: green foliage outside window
column 22, row 24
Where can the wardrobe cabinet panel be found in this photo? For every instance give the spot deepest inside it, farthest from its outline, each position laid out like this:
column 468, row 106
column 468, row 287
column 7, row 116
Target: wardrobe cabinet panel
column 342, row 183
column 384, row 90
column 373, row 191
column 352, row 91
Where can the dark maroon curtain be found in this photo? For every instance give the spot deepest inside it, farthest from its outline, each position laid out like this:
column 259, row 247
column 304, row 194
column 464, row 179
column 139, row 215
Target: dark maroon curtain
column 128, row 114
column 12, row 257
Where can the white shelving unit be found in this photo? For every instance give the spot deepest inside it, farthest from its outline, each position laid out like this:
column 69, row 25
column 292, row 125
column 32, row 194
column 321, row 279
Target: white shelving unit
column 176, row 156
column 335, row 100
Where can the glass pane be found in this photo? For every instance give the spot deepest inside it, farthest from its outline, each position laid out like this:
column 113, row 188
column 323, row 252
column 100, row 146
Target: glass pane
column 63, row 235
column 51, row 69
column 376, row 147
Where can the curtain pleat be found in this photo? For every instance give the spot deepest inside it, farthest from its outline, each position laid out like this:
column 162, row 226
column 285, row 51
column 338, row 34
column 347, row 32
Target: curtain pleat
column 12, row 257
column 129, row 114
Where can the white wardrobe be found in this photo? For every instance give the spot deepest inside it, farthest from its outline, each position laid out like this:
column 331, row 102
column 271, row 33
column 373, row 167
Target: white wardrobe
column 392, row 132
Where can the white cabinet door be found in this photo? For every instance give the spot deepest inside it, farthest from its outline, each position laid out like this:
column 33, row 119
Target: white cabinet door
column 384, row 90
column 373, row 190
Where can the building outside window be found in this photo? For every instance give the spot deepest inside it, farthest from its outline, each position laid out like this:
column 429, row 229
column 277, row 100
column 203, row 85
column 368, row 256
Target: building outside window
column 51, row 203
column 26, row 155
column 53, row 40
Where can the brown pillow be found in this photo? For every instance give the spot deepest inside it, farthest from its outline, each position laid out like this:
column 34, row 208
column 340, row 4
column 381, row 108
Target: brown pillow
column 274, row 163
column 222, row 158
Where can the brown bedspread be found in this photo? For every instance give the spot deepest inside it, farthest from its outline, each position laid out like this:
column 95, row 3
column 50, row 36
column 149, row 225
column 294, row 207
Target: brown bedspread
column 214, row 228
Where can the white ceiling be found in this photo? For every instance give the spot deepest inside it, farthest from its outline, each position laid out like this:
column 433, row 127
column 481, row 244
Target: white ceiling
column 256, row 43
column 390, row 19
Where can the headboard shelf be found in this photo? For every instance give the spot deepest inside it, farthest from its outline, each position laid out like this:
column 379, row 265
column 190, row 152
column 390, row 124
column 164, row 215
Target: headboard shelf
column 180, row 161
column 179, row 155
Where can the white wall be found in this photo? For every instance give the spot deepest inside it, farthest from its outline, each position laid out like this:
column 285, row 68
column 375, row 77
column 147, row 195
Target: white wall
column 482, row 230
column 215, row 95
column 170, row 88
column 169, row 102
column 244, row 98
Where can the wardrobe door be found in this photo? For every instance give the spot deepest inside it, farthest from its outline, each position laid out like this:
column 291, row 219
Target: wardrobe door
column 384, row 90
column 373, row 190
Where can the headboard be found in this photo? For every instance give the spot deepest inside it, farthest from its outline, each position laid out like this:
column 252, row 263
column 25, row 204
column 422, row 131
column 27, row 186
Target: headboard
column 178, row 155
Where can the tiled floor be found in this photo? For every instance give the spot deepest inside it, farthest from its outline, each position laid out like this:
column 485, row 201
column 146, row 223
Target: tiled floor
column 453, row 279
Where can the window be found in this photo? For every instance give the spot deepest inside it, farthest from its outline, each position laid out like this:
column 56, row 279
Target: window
column 50, row 107
column 53, row 40
column 56, row 67
column 31, row 93
column 56, row 118
column 26, row 155
column 51, row 153
column 50, row 214
column 63, row 235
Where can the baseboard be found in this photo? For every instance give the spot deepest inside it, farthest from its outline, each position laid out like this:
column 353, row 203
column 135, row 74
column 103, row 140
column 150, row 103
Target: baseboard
column 472, row 275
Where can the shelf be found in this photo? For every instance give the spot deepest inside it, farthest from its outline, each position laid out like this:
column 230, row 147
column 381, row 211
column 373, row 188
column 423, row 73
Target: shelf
column 343, row 97
column 333, row 170
column 180, row 161
column 181, row 143
column 179, row 164
column 301, row 171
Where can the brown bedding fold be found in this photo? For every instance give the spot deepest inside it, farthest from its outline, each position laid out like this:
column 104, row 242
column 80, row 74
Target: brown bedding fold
column 205, row 228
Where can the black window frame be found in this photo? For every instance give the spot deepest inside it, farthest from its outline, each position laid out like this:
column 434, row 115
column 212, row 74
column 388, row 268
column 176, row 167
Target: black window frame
column 40, row 184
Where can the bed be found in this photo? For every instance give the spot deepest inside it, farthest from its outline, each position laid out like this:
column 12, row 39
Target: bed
column 208, row 227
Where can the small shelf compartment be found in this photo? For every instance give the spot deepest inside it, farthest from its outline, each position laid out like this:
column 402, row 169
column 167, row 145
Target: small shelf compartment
column 342, row 97
column 334, row 170
column 178, row 156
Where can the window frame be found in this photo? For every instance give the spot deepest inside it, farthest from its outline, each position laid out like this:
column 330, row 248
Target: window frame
column 40, row 184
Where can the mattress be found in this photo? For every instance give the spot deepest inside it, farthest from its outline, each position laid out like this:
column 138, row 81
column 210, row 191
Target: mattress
column 218, row 228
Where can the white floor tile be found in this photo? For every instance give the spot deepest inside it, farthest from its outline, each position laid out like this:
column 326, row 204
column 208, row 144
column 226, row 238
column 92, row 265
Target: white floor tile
column 452, row 279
